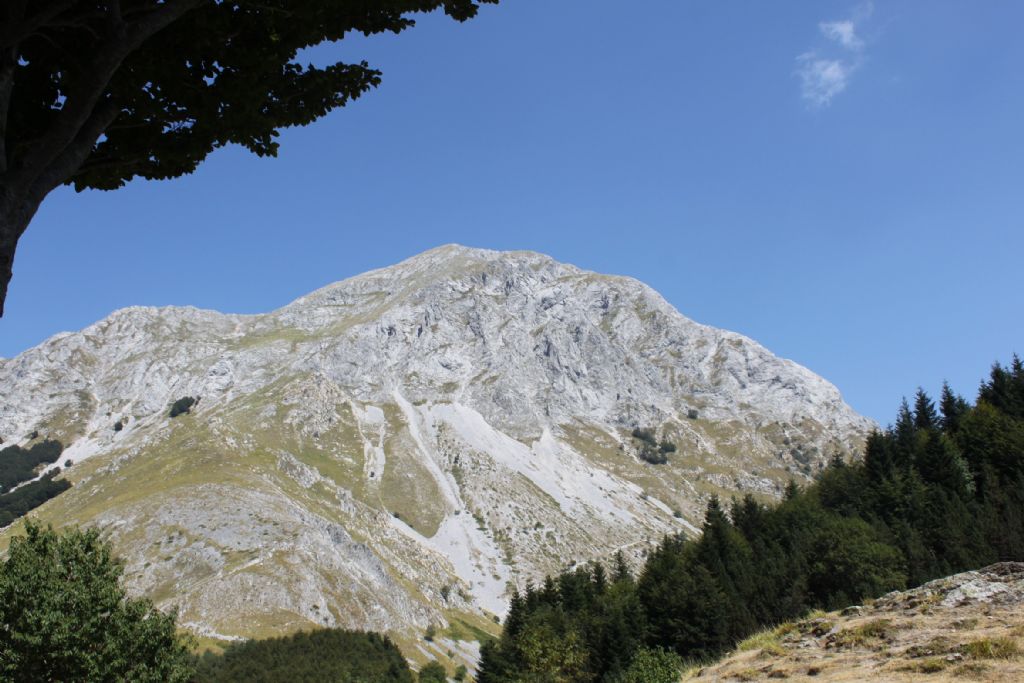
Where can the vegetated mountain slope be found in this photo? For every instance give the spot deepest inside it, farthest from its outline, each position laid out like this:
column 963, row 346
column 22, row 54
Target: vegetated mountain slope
column 964, row 627
column 397, row 449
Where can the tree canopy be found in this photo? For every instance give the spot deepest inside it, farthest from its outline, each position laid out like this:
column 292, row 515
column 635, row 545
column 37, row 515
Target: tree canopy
column 64, row 616
column 94, row 93
column 323, row 655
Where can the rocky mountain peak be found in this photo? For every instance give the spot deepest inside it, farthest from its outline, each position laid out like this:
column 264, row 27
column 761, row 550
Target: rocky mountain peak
column 405, row 446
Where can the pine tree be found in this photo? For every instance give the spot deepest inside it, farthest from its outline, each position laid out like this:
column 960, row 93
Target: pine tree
column 904, row 438
column 531, row 597
column 939, row 462
column 516, row 616
column 686, row 609
column 549, row 593
column 878, row 456
column 953, row 408
column 845, row 489
column 925, row 416
column 620, row 627
column 725, row 554
column 1005, row 388
column 621, row 572
column 989, row 438
column 496, row 662
column 600, row 579
column 573, row 589
column 748, row 516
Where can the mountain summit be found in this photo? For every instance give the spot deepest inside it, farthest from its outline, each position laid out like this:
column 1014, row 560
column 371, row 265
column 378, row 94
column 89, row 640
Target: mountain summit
column 402, row 448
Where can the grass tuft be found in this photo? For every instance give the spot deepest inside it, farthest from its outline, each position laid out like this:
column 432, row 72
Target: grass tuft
column 970, row 670
column 766, row 641
column 931, row 665
column 939, row 645
column 967, row 624
column 877, row 629
column 992, row 648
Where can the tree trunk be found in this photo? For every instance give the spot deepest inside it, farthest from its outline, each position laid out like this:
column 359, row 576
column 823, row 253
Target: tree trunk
column 14, row 218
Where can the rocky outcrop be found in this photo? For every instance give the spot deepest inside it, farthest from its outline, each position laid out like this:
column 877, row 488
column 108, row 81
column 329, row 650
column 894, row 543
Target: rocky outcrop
column 964, row 627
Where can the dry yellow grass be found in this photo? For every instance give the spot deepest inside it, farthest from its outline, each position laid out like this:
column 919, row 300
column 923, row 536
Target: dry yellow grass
column 964, row 628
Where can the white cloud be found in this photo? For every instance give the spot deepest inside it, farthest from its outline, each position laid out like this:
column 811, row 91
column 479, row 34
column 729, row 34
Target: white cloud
column 843, row 32
column 826, row 72
column 822, row 79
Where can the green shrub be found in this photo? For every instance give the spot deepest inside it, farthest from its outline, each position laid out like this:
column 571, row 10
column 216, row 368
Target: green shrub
column 645, row 435
column 182, row 405
column 652, row 455
column 651, row 666
column 650, row 450
column 433, row 673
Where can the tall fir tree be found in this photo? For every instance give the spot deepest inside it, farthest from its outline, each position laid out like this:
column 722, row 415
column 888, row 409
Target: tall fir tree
column 878, row 457
column 953, row 408
column 925, row 416
column 904, row 438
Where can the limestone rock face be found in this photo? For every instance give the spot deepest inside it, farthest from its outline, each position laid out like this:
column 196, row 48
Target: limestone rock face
column 399, row 449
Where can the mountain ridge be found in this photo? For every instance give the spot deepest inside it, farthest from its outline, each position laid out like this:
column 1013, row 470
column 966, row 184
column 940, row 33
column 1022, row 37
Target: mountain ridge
column 437, row 432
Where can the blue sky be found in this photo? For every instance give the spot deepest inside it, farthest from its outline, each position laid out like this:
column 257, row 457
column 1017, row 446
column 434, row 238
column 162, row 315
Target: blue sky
column 843, row 182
